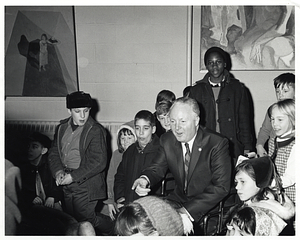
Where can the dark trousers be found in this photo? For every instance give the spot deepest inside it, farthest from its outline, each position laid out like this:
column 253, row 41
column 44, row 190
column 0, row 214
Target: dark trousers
column 78, row 204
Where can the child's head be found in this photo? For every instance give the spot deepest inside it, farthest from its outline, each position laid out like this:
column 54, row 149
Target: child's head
column 253, row 178
column 215, row 61
column 79, row 105
column 285, row 86
column 149, row 216
column 282, row 115
column 39, row 145
column 144, row 126
column 255, row 221
column 162, row 112
column 164, row 95
column 243, row 223
column 126, row 136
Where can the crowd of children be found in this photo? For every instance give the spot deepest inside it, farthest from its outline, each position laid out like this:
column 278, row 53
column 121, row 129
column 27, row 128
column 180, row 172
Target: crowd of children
column 73, row 175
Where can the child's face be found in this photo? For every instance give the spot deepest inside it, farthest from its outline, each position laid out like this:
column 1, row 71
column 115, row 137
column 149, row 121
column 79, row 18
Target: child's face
column 126, row 140
column 245, row 186
column 35, row 150
column 215, row 65
column 144, row 131
column 234, row 230
column 284, row 92
column 80, row 115
column 164, row 120
column 280, row 122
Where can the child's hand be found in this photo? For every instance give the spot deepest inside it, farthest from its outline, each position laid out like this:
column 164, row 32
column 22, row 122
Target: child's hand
column 120, row 202
column 37, row 201
column 49, row 202
column 112, row 209
column 261, row 151
column 59, row 177
column 67, row 179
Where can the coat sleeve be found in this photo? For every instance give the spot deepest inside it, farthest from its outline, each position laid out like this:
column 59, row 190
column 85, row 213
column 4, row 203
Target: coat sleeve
column 54, row 159
column 220, row 164
column 112, row 170
column 245, row 133
column 119, row 183
column 95, row 156
column 158, row 168
column 264, row 131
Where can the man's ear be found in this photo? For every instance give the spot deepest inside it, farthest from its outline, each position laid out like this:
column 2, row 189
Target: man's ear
column 69, row 111
column 153, row 129
column 44, row 150
column 197, row 120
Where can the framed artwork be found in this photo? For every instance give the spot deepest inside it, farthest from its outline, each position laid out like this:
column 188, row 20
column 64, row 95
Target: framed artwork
column 255, row 37
column 40, row 51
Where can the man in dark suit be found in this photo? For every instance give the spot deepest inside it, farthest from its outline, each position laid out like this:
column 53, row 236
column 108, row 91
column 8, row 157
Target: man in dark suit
column 202, row 172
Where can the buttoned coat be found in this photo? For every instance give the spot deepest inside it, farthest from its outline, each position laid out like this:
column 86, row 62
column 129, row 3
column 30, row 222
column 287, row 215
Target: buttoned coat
column 234, row 112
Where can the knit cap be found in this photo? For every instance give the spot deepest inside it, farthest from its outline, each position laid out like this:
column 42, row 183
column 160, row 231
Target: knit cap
column 79, row 99
column 164, row 218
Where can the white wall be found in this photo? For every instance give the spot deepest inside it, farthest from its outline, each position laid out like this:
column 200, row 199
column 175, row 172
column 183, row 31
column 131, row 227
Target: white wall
column 126, row 55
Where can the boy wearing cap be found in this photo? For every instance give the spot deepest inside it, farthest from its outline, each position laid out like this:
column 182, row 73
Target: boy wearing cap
column 78, row 159
column 38, row 186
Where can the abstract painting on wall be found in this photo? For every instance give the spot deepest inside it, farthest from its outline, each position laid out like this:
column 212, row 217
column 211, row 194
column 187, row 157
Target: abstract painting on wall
column 40, row 53
column 256, row 37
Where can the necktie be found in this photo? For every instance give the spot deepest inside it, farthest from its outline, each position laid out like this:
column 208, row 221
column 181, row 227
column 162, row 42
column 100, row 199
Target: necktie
column 39, row 186
column 216, row 85
column 187, row 159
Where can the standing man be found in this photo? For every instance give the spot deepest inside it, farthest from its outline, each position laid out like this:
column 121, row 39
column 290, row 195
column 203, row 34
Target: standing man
column 78, row 159
column 197, row 158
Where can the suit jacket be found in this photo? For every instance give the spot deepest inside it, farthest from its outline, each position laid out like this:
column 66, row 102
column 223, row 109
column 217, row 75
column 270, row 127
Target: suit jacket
column 209, row 174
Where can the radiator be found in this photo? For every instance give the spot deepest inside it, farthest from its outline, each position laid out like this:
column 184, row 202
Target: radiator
column 48, row 128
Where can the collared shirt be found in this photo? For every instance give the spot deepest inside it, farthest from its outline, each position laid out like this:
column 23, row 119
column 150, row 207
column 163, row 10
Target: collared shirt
column 215, row 84
column 216, row 91
column 191, row 142
column 70, row 147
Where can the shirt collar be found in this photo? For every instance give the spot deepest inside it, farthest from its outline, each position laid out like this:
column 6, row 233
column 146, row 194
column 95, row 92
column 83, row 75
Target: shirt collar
column 215, row 84
column 191, row 142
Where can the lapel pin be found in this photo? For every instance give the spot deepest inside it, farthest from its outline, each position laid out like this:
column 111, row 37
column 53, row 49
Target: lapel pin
column 199, row 149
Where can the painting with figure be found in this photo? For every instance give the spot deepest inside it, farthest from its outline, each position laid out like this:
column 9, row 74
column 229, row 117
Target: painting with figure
column 256, row 37
column 40, row 56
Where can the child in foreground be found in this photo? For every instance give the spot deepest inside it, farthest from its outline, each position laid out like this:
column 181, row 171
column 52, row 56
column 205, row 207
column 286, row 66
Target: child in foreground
column 151, row 216
column 264, row 207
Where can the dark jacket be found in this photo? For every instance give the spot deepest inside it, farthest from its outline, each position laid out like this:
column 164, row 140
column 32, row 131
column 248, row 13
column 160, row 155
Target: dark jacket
column 209, row 171
column 131, row 167
column 28, row 175
column 233, row 108
column 93, row 153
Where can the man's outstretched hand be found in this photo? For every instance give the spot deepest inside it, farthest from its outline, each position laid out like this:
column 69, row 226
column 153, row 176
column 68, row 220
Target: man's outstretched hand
column 140, row 187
